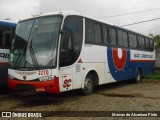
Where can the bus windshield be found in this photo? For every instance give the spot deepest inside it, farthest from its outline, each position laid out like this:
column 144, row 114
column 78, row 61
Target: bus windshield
column 35, row 43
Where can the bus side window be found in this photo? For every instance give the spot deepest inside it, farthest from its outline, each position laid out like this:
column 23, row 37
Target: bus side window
column 141, row 42
column 112, row 36
column 122, row 38
column 105, row 35
column 147, row 44
column 98, row 33
column 133, row 41
column 71, row 41
column 89, row 31
column 1, row 38
column 7, row 39
column 151, row 45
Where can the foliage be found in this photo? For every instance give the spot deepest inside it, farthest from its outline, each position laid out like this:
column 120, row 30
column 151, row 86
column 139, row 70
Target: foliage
column 157, row 39
column 155, row 75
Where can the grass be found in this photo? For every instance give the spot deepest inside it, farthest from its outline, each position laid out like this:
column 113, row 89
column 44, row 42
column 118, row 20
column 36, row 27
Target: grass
column 155, row 75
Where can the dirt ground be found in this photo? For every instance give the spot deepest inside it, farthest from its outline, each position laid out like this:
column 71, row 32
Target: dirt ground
column 123, row 96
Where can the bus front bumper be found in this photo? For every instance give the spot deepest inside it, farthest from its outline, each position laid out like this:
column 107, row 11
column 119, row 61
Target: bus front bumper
column 51, row 86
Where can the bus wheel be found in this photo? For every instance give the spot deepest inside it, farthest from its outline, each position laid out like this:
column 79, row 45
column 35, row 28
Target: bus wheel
column 88, row 85
column 138, row 76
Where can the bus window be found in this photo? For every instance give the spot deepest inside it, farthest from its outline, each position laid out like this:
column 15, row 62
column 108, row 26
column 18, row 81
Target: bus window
column 71, row 42
column 89, row 32
column 93, row 32
column 141, row 42
column 112, row 36
column 105, row 35
column 151, row 44
column 122, row 39
column 1, row 34
column 98, row 36
column 147, row 44
column 132, row 41
column 125, row 37
column 7, row 38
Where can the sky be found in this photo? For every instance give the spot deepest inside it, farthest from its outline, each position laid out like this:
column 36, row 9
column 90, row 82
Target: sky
column 117, row 12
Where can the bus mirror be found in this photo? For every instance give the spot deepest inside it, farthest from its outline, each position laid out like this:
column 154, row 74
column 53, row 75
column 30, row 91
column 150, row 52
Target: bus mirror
column 62, row 31
column 66, row 32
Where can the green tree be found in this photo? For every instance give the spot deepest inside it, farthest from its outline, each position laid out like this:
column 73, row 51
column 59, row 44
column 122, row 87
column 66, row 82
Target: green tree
column 157, row 39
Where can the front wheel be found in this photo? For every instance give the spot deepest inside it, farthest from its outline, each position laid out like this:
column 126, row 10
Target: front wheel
column 88, row 85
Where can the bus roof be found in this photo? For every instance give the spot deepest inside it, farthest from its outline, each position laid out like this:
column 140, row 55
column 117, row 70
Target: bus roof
column 8, row 24
column 66, row 13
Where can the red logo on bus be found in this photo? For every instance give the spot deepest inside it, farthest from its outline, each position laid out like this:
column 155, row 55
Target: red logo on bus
column 119, row 57
column 67, row 83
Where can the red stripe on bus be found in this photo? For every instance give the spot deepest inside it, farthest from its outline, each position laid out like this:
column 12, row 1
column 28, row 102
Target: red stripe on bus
column 142, row 60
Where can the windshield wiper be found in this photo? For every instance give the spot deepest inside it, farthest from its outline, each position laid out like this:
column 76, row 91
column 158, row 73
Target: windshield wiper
column 33, row 57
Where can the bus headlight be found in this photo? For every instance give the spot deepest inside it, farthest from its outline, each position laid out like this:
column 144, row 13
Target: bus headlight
column 46, row 78
column 10, row 77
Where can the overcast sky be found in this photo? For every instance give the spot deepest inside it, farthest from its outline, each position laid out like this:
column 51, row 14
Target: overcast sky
column 118, row 12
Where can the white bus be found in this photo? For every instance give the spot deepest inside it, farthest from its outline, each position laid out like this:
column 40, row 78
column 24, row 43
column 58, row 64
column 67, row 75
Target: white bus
column 6, row 33
column 64, row 51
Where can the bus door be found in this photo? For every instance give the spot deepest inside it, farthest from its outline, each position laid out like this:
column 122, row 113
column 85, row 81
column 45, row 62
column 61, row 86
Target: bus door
column 70, row 48
column 66, row 72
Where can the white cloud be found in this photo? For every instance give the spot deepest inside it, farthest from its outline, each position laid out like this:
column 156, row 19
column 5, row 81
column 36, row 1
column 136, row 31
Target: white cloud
column 20, row 9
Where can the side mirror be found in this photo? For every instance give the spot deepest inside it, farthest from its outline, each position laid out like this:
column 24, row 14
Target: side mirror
column 62, row 31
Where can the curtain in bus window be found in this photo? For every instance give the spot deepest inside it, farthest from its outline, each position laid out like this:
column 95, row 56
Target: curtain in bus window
column 122, row 39
column 89, row 31
column 98, row 37
column 105, row 35
column 132, row 41
column 125, row 39
column 147, row 43
column 112, row 36
column 141, row 42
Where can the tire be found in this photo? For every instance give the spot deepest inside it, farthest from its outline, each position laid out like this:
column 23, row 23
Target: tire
column 138, row 76
column 88, row 85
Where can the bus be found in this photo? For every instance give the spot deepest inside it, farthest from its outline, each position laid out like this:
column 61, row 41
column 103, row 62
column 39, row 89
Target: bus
column 62, row 51
column 6, row 33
